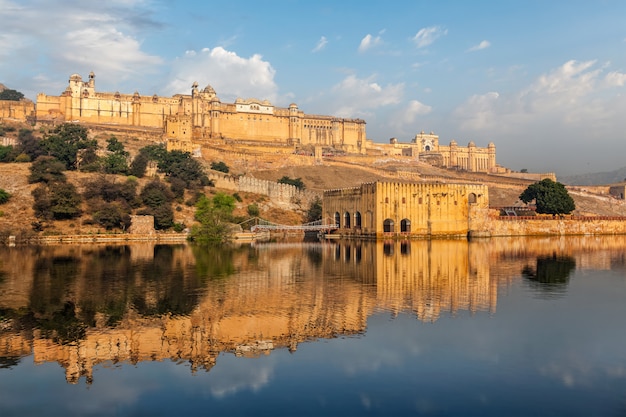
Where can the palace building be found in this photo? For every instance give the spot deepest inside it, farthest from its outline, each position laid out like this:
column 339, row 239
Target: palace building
column 188, row 120
column 383, row 209
column 425, row 147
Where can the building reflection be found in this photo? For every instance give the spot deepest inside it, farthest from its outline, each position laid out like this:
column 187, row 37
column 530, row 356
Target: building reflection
column 82, row 306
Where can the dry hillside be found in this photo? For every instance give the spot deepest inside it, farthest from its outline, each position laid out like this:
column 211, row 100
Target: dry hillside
column 17, row 215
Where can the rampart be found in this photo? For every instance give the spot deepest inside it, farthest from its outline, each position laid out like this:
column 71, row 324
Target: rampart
column 284, row 195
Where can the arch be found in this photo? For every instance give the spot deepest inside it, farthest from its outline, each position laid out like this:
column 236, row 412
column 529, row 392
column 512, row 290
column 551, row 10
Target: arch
column 346, row 220
column 405, row 226
column 337, row 218
column 357, row 220
column 471, row 198
column 388, row 226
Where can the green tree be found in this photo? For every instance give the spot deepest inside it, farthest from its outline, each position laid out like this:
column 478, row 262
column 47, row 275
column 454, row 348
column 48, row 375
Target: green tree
column 550, row 197
column 29, row 144
column 115, row 146
column 115, row 163
column 111, row 215
column 181, row 165
column 314, row 213
column 57, row 201
column 46, row 169
column 139, row 165
column 11, row 95
column 157, row 198
column 220, row 166
column 296, row 182
column 65, row 141
column 213, row 216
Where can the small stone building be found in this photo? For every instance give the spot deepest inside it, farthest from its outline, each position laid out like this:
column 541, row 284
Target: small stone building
column 383, row 209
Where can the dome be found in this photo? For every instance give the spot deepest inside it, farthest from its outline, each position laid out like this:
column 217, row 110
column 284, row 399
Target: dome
column 453, row 142
column 491, row 145
column 208, row 89
column 471, row 144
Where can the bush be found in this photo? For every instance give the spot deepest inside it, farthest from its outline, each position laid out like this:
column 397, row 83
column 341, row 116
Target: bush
column 111, row 215
column 46, row 169
column 253, row 210
column 296, row 182
column 22, row 158
column 4, row 196
column 220, row 166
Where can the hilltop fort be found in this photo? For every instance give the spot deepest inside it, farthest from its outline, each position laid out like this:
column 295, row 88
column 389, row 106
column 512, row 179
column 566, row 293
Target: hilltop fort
column 192, row 121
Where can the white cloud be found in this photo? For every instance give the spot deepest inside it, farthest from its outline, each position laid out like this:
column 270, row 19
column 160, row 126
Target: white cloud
column 566, row 112
column 108, row 50
column 426, row 36
column 615, row 79
column 481, row 45
column 229, row 74
column 353, row 96
column 321, row 44
column 54, row 37
column 369, row 42
column 412, row 110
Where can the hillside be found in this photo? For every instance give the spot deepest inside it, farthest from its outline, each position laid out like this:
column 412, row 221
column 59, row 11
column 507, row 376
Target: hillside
column 17, row 215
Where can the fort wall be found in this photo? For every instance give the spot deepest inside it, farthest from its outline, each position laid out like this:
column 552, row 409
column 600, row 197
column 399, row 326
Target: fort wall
column 285, row 195
column 16, row 110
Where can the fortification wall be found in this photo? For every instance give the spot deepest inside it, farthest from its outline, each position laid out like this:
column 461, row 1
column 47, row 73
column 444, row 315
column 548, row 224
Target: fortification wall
column 285, row 195
column 556, row 227
column 16, row 110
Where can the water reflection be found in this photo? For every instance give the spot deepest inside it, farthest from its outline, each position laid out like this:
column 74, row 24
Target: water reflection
column 550, row 274
column 80, row 306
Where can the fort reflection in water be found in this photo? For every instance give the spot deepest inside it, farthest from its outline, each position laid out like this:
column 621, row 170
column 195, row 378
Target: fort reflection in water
column 82, row 306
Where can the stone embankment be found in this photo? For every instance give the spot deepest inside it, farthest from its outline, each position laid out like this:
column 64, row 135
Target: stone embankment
column 567, row 226
column 166, row 238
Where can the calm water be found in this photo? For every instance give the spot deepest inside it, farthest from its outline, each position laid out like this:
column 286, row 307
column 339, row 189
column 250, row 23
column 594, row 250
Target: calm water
column 500, row 327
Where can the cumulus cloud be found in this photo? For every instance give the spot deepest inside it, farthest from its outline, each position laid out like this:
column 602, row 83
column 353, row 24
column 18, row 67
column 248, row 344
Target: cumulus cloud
column 412, row 110
column 321, row 44
column 229, row 74
column 102, row 38
column 354, row 96
column 426, row 36
column 481, row 45
column 615, row 79
column 369, row 42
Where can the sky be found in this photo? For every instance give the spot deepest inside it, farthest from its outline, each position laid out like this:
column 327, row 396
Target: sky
column 545, row 81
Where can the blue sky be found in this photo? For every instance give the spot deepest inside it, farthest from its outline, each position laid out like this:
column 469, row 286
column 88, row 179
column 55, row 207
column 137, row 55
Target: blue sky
column 544, row 80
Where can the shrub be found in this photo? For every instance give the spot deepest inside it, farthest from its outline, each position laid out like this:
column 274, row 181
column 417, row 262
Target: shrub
column 220, row 166
column 4, row 196
column 253, row 210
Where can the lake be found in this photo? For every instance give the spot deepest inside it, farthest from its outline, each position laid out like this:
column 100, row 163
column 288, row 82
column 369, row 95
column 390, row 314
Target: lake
column 493, row 327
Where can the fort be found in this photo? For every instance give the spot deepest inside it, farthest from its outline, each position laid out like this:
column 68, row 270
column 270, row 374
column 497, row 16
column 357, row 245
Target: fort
column 403, row 201
column 190, row 121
